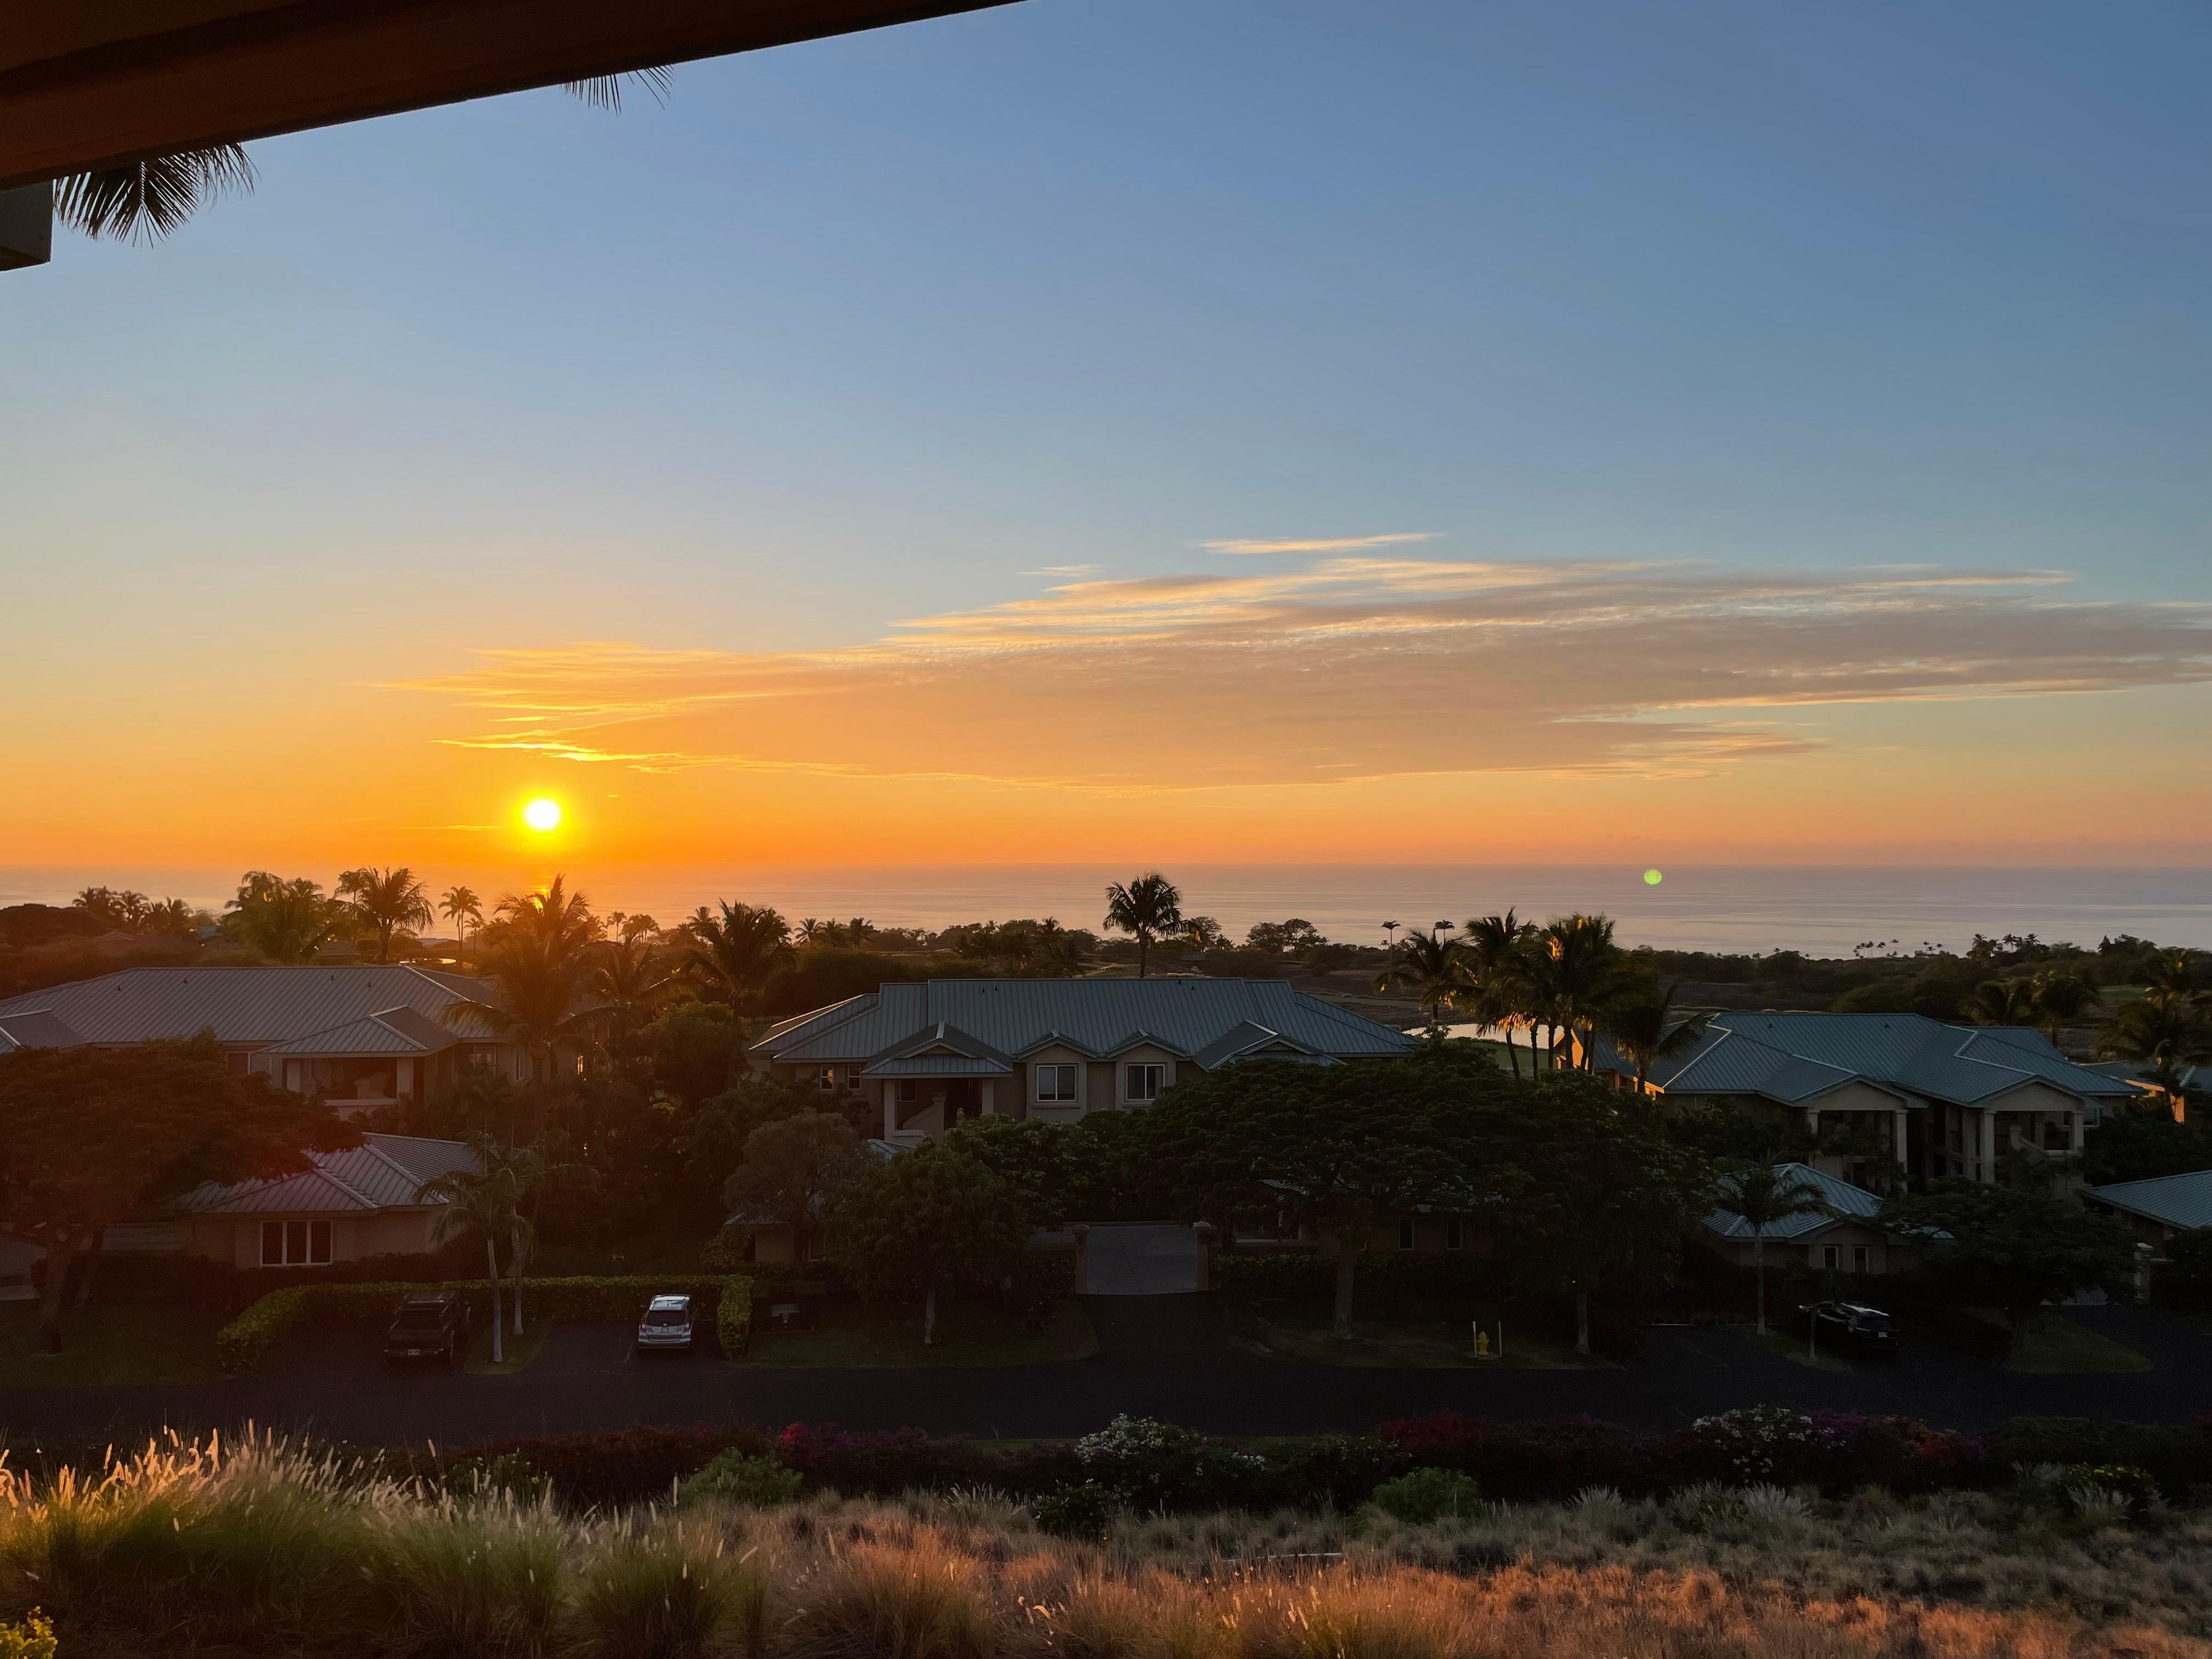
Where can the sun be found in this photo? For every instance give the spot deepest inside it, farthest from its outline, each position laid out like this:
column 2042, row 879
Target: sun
column 543, row 814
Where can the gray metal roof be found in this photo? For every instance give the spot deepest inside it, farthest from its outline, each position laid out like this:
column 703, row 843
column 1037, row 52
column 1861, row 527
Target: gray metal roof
column 248, row 1005
column 2176, row 1200
column 1795, row 1058
column 939, row 1065
column 1098, row 1017
column 383, row 1172
column 1845, row 1203
column 36, row 1029
column 394, row 1031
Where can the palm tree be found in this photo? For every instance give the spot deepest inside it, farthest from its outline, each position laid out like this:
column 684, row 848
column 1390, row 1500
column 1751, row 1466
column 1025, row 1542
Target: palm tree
column 2002, row 1002
column 628, row 976
column 1575, row 966
column 2058, row 997
column 485, row 1202
column 1391, row 933
column 283, row 922
column 1435, row 968
column 2166, row 1035
column 384, row 903
column 734, row 956
column 1761, row 1196
column 1496, row 953
column 1646, row 1028
column 2172, row 974
column 537, row 955
column 461, row 906
column 1146, row 908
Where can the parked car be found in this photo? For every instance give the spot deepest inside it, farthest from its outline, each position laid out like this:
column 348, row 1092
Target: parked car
column 429, row 1325
column 1850, row 1327
column 667, row 1323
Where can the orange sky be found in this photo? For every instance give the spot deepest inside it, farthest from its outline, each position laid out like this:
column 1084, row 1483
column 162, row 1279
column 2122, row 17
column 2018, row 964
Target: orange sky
column 1363, row 703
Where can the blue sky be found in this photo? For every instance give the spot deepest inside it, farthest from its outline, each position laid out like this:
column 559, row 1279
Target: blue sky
column 867, row 329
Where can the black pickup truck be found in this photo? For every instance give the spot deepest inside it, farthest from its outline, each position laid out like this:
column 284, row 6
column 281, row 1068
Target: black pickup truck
column 429, row 1325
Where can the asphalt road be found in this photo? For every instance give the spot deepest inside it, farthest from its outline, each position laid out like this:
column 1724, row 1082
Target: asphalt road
column 1162, row 1356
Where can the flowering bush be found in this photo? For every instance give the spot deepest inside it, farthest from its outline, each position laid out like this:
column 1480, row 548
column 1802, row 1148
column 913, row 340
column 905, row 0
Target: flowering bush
column 1760, row 1443
column 1146, row 1464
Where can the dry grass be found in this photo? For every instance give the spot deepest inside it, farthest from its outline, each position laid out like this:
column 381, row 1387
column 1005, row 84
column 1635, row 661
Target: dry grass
column 256, row 1549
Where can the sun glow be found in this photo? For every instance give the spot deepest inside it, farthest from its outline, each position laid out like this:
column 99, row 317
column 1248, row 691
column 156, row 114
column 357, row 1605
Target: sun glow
column 543, row 814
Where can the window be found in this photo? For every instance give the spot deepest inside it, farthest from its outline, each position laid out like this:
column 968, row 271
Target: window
column 1056, row 1083
column 909, row 1092
column 1832, row 1256
column 237, row 1061
column 1455, row 1235
column 1144, row 1083
column 828, row 1081
column 295, row 1243
column 1862, row 1258
column 1406, row 1234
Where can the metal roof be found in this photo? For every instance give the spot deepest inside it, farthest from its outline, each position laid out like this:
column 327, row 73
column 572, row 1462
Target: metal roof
column 1797, row 1057
column 2176, row 1200
column 250, row 1004
column 1097, row 1017
column 939, row 1065
column 394, row 1031
column 383, row 1172
column 36, row 1029
column 1845, row 1203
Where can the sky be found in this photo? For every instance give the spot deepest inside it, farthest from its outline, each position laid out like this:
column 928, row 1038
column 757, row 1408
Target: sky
column 1410, row 432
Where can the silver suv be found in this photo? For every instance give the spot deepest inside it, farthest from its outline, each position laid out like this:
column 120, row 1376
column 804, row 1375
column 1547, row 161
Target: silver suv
column 667, row 1323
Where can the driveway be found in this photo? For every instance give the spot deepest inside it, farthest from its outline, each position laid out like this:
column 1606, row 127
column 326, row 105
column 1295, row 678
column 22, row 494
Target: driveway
column 1150, row 1261
column 1163, row 1355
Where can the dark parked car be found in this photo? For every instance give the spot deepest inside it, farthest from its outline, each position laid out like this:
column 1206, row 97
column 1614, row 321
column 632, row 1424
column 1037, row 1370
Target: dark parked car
column 1850, row 1327
column 429, row 1325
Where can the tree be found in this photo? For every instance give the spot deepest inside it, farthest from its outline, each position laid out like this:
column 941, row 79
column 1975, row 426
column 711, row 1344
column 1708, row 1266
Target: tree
column 2165, row 1034
column 1204, row 933
column 384, row 904
column 793, row 1166
column 461, row 906
column 1761, row 1196
column 1434, row 969
column 484, row 1202
column 1495, row 956
column 2058, row 997
column 280, row 920
column 1147, row 909
column 933, row 1222
column 537, row 956
column 144, row 201
column 2012, row 1248
column 92, row 1134
column 712, row 1144
column 1646, row 1027
column 1575, row 968
column 697, row 1050
column 733, row 956
column 629, row 975
column 2002, row 1002
column 2140, row 1142
column 1344, row 1151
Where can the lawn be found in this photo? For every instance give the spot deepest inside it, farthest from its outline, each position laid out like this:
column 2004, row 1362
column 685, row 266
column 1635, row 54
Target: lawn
column 888, row 1333
column 109, row 1346
column 2060, row 1346
column 520, row 1351
column 1794, row 1348
column 1407, row 1331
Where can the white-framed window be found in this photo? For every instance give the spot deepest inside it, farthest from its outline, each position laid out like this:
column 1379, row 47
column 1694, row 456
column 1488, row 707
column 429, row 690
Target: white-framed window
column 1832, row 1256
column 1862, row 1258
column 1144, row 1082
column 827, row 1081
column 1406, row 1234
column 909, row 1092
column 1455, row 1235
column 1055, row 1084
column 295, row 1243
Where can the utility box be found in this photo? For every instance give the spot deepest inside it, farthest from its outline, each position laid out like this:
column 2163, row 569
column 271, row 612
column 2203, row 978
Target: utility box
column 27, row 226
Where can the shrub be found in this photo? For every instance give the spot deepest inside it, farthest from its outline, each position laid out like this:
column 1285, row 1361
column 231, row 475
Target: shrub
column 726, row 1251
column 921, row 1602
column 735, row 1476
column 1147, row 1464
column 485, row 1581
column 668, row 1592
column 606, row 1468
column 733, row 1317
column 1427, row 1495
column 509, row 1472
column 2176, row 1457
column 2133, row 1486
column 31, row 1640
column 1084, row 1509
column 1335, row 1470
column 242, row 1344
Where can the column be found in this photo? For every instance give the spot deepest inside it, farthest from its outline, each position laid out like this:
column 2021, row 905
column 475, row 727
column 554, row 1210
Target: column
column 406, row 1084
column 2074, row 1130
column 1813, row 1119
column 990, row 1097
column 1899, row 1121
column 890, row 1107
column 1989, row 1139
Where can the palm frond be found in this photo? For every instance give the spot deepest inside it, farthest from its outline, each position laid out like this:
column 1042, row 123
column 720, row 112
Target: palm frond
column 604, row 91
column 150, row 200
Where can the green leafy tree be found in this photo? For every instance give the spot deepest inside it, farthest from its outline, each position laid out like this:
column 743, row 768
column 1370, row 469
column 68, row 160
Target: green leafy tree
column 711, row 1142
column 2060, row 998
column 385, row 904
column 1763, row 1197
column 92, row 1134
column 2002, row 1002
column 1148, row 908
column 732, row 956
column 1341, row 1150
column 2140, row 1142
column 2011, row 1248
column 282, row 920
column 482, row 1203
column 1494, row 954
column 933, row 1222
column 1574, row 970
column 793, row 1167
column 538, row 957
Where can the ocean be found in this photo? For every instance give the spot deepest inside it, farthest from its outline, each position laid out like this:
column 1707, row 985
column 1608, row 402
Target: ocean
column 1821, row 910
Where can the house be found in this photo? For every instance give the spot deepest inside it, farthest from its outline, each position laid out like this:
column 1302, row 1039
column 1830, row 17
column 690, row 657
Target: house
column 363, row 1201
column 1937, row 1100
column 1842, row 1238
column 925, row 1055
column 2188, row 1080
column 778, row 1241
column 2159, row 1208
column 361, row 1036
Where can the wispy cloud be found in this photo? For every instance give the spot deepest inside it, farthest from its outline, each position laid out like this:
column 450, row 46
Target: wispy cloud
column 1332, row 544
column 1063, row 570
column 1345, row 667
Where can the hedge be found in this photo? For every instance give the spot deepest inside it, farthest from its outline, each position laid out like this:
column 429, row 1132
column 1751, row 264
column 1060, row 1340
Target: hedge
column 245, row 1341
column 734, row 1316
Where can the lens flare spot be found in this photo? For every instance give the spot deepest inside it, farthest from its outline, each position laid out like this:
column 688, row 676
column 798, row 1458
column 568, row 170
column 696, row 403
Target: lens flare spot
column 543, row 814
column 1652, row 878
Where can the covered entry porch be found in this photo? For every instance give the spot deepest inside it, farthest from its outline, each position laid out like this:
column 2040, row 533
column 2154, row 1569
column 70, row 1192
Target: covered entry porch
column 924, row 1096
